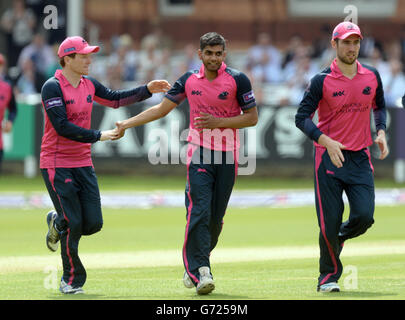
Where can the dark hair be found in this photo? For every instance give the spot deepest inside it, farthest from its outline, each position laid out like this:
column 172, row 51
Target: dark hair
column 62, row 60
column 212, row 39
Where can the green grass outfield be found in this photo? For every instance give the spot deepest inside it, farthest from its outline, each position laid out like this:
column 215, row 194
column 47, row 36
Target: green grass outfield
column 263, row 253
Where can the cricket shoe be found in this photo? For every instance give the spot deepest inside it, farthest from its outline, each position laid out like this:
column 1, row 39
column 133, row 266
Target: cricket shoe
column 68, row 289
column 187, row 281
column 52, row 237
column 328, row 287
column 206, row 284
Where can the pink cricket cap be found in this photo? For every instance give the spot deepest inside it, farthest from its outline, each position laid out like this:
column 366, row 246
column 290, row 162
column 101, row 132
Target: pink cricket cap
column 345, row 29
column 75, row 45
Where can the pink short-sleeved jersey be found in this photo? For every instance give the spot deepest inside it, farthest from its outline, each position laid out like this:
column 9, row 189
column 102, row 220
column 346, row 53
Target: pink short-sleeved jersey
column 226, row 96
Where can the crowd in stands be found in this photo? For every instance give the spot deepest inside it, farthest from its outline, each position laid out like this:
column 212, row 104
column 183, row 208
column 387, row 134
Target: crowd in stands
column 279, row 75
column 31, row 50
column 299, row 62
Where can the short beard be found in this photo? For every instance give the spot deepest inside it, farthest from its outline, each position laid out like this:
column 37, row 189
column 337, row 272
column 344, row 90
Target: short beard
column 346, row 61
column 210, row 68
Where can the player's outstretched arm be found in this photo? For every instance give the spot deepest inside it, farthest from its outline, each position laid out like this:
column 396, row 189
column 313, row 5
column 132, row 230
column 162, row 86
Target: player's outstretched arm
column 112, row 134
column 156, row 112
column 156, row 86
column 119, row 98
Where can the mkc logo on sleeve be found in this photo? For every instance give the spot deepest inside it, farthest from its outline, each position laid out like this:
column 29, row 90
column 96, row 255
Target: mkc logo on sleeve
column 53, row 102
column 249, row 96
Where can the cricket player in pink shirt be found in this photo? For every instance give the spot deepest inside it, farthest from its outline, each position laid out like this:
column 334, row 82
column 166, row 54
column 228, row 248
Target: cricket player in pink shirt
column 344, row 95
column 221, row 101
column 7, row 102
column 65, row 158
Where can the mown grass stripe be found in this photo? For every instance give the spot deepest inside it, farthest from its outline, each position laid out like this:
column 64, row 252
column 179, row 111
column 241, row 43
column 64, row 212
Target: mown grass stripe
column 157, row 258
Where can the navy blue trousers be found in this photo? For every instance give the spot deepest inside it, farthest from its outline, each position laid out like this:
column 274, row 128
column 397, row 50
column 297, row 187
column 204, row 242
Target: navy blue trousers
column 76, row 198
column 210, row 179
column 356, row 179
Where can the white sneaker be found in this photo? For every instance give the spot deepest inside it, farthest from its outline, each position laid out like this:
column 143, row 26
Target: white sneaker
column 68, row 289
column 206, row 284
column 329, row 287
column 187, row 281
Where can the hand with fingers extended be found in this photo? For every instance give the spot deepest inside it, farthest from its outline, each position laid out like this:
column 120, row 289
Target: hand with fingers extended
column 335, row 153
column 156, row 86
column 334, row 149
column 381, row 141
column 205, row 121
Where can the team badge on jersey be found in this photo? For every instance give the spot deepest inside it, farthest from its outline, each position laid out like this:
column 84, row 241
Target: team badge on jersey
column 248, row 97
column 367, row 90
column 53, row 102
column 223, row 95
